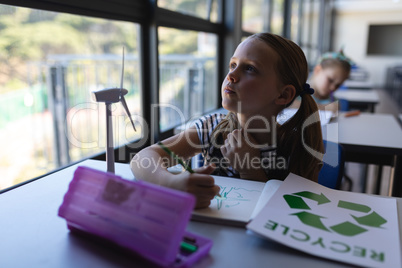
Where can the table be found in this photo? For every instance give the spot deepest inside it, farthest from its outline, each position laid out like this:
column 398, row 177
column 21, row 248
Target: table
column 358, row 84
column 32, row 235
column 366, row 98
column 371, row 139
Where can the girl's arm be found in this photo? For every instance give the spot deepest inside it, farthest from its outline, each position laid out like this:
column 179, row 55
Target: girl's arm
column 151, row 163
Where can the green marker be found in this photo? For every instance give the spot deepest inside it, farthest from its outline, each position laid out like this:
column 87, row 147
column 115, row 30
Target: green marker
column 172, row 154
column 191, row 248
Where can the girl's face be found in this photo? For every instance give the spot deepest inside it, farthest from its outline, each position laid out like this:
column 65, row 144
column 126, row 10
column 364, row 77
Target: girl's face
column 251, row 85
column 327, row 80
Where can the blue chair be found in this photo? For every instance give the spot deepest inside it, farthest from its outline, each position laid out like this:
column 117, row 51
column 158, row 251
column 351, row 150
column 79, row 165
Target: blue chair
column 332, row 172
column 343, row 105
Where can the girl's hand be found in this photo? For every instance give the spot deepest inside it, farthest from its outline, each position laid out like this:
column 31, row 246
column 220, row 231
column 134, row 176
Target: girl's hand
column 243, row 154
column 202, row 186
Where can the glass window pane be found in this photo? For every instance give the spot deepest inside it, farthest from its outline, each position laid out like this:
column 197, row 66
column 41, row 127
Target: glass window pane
column 254, row 15
column 187, row 62
column 310, row 30
column 51, row 62
column 295, row 21
column 315, row 14
column 277, row 17
column 306, row 31
column 205, row 9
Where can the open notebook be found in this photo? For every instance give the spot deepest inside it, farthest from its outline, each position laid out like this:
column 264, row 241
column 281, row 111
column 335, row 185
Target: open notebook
column 240, row 201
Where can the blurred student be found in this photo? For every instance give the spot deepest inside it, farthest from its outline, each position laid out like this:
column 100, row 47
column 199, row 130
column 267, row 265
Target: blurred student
column 328, row 75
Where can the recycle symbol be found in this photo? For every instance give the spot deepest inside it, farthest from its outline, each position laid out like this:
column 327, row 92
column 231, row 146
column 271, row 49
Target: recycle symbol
column 347, row 228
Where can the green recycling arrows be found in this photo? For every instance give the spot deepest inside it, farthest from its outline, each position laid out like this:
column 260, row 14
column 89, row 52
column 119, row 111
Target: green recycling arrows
column 295, row 202
column 320, row 198
column 311, row 220
column 353, row 206
column 298, row 202
column 373, row 220
column 347, row 228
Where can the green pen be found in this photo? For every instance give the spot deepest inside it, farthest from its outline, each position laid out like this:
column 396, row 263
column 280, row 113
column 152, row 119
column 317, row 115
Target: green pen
column 191, row 248
column 172, row 154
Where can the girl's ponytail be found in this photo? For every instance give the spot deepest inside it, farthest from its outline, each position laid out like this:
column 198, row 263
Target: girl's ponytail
column 300, row 138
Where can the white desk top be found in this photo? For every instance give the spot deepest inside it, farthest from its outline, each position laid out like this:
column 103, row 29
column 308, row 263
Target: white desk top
column 358, row 84
column 382, row 131
column 32, row 235
column 356, row 95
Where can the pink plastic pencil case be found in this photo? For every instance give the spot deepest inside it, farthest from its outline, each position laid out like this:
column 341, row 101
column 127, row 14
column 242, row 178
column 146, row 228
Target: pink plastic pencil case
column 147, row 219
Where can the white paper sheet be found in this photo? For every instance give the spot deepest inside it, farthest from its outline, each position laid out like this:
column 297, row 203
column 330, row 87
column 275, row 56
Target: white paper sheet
column 344, row 226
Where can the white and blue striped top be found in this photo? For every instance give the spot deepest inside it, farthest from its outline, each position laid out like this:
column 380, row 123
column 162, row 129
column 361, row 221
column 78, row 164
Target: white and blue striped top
column 212, row 154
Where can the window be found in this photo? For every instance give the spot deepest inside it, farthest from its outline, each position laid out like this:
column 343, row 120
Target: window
column 51, row 62
column 205, row 9
column 310, row 24
column 295, row 21
column 188, row 80
column 254, row 16
column 277, row 17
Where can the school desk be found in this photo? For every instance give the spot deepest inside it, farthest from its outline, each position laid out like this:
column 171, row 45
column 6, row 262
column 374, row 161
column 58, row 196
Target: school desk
column 350, row 84
column 364, row 98
column 32, row 235
column 371, row 139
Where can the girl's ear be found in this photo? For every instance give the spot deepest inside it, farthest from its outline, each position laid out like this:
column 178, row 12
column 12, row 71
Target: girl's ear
column 287, row 95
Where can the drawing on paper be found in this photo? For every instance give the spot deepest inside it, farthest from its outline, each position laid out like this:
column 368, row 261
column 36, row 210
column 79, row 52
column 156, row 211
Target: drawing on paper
column 234, row 196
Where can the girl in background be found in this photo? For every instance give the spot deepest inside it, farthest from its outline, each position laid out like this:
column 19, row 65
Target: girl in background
column 266, row 73
column 328, row 75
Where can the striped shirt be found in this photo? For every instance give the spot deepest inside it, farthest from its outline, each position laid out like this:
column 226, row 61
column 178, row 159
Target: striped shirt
column 212, row 154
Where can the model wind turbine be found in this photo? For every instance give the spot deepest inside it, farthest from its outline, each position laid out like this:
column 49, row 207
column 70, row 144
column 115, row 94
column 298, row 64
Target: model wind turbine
column 109, row 96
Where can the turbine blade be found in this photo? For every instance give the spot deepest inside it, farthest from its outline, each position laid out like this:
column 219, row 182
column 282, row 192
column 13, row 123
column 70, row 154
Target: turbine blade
column 123, row 101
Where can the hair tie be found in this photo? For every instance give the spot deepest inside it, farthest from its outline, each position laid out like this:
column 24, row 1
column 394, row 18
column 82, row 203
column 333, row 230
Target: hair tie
column 337, row 56
column 307, row 89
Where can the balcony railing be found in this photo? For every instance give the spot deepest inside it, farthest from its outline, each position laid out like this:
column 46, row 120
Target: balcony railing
column 67, row 125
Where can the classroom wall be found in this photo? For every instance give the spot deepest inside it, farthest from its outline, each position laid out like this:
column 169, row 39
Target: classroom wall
column 351, row 29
